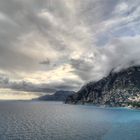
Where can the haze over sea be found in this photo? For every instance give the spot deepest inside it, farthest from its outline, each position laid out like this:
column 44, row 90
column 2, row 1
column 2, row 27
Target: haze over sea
column 34, row 120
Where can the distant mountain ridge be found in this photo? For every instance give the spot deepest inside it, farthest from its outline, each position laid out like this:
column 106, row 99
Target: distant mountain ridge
column 117, row 89
column 60, row 95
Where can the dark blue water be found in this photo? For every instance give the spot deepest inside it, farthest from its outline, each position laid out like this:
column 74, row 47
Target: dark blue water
column 57, row 121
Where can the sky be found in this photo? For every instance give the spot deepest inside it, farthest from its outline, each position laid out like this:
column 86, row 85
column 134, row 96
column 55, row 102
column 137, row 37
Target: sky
column 50, row 45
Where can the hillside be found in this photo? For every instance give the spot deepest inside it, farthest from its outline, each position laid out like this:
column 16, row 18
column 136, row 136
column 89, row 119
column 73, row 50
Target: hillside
column 117, row 89
column 57, row 96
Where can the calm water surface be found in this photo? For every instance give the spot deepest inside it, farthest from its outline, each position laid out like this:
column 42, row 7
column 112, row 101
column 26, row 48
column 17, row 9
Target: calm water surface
column 21, row 120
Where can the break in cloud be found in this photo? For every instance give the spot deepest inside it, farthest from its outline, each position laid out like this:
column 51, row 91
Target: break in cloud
column 47, row 45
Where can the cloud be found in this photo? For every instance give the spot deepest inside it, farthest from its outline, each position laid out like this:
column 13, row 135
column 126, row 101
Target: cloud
column 58, row 44
column 119, row 54
column 39, row 89
column 123, row 52
column 45, row 62
column 32, row 29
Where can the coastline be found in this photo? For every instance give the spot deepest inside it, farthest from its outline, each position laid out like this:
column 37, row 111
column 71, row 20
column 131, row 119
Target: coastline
column 106, row 106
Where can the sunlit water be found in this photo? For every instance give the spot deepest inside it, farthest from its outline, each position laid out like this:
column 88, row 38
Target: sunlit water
column 56, row 121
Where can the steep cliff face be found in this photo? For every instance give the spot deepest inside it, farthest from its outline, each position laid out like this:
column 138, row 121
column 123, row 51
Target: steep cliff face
column 117, row 89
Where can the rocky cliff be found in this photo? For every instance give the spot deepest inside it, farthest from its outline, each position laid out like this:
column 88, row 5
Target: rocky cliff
column 117, row 89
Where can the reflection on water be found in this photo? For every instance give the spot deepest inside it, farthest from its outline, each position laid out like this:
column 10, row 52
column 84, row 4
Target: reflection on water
column 57, row 121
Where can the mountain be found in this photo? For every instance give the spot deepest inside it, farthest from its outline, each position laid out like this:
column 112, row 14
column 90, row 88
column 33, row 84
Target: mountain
column 117, row 89
column 57, row 96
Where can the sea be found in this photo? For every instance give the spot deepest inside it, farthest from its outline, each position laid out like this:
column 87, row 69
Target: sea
column 40, row 120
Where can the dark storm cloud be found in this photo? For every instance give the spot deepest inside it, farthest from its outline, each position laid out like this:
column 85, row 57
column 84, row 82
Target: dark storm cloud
column 45, row 62
column 82, row 68
column 66, row 84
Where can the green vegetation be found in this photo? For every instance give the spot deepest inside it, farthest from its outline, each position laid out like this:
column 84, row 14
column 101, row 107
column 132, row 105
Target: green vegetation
column 134, row 104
